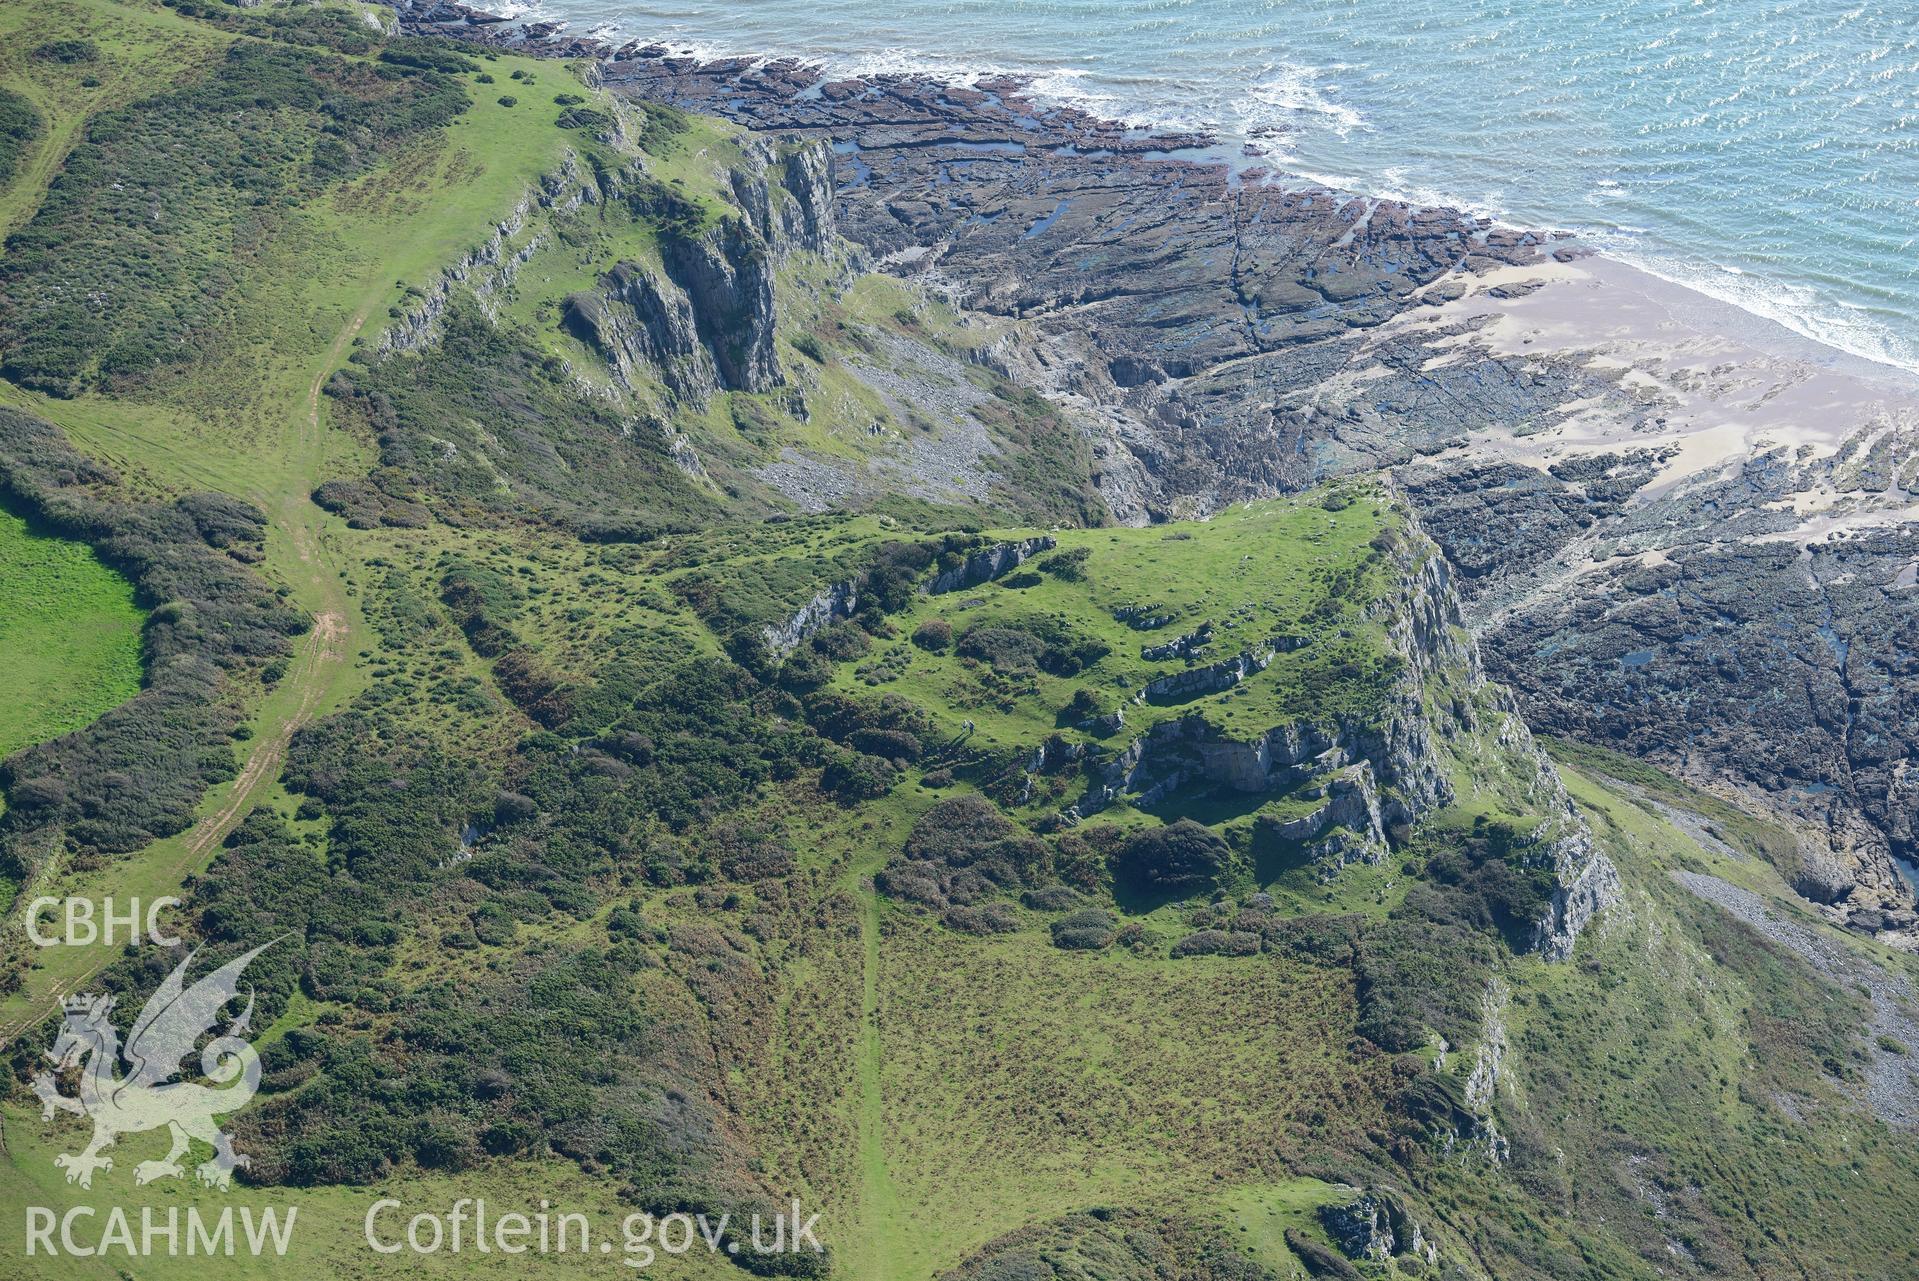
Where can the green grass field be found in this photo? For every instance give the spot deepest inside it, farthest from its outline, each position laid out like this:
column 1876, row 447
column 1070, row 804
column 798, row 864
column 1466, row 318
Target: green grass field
column 69, row 631
column 1020, row 1082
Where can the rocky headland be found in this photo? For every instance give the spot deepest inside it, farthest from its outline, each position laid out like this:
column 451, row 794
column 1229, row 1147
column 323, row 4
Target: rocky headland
column 1680, row 532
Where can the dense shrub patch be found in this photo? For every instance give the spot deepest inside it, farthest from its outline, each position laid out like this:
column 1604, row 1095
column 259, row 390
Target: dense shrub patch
column 935, row 635
column 574, row 460
column 465, row 1070
column 1087, row 930
column 961, row 851
column 1181, row 857
column 1485, row 882
column 1417, row 977
column 132, row 261
column 67, row 51
column 1045, row 644
column 20, row 125
column 397, row 802
column 471, row 1071
column 1218, row 943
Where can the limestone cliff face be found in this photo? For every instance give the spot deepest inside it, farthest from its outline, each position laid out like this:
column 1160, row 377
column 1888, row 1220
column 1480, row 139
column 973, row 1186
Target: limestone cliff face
column 787, row 194
column 705, row 320
column 727, row 276
column 1370, row 778
column 644, row 327
column 1587, row 883
column 490, row 267
column 704, row 323
column 828, row 606
column 1429, row 629
column 1377, row 1226
column 1211, row 679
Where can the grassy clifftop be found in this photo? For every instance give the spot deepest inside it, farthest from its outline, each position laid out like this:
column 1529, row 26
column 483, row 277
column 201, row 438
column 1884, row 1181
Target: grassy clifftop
column 1288, row 582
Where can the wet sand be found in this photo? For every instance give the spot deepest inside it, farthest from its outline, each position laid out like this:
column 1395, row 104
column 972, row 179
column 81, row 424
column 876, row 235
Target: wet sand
column 1725, row 384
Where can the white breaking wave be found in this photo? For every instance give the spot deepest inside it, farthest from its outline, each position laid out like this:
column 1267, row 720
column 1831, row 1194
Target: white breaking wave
column 1799, row 308
column 1296, row 91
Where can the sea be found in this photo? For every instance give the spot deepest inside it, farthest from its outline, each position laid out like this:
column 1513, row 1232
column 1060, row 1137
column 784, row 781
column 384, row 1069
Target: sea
column 1765, row 152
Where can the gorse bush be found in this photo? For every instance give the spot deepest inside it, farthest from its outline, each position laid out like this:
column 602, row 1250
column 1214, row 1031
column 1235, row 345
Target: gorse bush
column 961, row 851
column 20, row 126
column 67, row 51
column 1183, row 856
column 1006, row 650
column 1042, row 643
column 1087, row 930
column 934, row 635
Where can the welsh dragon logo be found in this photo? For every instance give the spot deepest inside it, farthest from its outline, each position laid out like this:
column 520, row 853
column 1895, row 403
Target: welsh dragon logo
column 148, row 1097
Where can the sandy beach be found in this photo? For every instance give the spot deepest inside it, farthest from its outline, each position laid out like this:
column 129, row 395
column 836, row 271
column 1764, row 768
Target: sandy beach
column 1726, row 384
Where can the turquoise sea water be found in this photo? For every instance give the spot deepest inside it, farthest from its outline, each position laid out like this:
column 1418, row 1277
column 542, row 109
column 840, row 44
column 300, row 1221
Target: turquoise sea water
column 1764, row 151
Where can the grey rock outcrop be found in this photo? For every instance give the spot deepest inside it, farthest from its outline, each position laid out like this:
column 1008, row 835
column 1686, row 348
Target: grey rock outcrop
column 706, row 319
column 727, row 274
column 787, row 194
column 705, row 323
column 1350, row 827
column 491, row 266
column 1187, row 646
column 1483, row 1084
column 1144, row 618
column 1369, row 778
column 643, row 327
column 1377, row 1226
column 1197, row 682
column 1362, row 1229
column 1586, row 882
column 830, row 605
column 807, row 176
column 993, row 562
